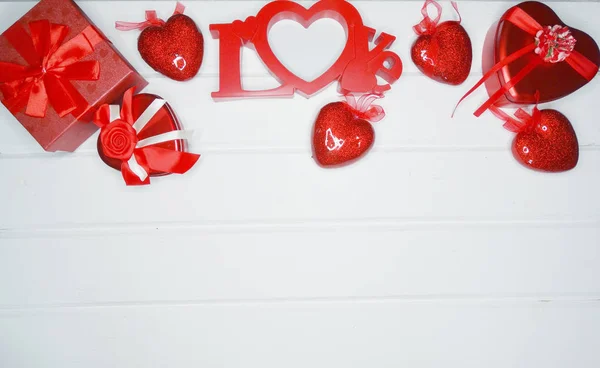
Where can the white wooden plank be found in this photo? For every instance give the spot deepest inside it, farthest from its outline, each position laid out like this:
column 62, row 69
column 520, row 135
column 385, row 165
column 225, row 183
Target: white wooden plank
column 355, row 335
column 174, row 265
column 265, row 187
column 418, row 116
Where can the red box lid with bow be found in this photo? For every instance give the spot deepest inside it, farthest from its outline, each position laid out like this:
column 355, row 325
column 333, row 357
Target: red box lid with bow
column 530, row 56
column 56, row 69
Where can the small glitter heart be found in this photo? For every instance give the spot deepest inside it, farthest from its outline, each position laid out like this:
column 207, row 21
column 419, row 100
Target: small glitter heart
column 549, row 143
column 175, row 49
column 443, row 52
column 339, row 137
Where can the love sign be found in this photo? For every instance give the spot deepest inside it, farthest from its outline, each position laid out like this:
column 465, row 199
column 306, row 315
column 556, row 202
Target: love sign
column 356, row 68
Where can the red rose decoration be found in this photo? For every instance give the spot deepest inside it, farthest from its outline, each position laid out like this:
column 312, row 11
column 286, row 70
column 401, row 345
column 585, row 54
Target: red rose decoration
column 118, row 140
column 554, row 44
column 137, row 143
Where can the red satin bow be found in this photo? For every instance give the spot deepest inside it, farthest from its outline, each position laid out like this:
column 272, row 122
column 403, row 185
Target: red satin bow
column 524, row 21
column 150, row 158
column 364, row 109
column 151, row 20
column 52, row 64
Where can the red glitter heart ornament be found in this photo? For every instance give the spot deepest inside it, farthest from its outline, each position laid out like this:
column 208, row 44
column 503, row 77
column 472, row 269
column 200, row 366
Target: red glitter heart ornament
column 442, row 51
column 342, row 133
column 545, row 140
column 164, row 121
column 174, row 48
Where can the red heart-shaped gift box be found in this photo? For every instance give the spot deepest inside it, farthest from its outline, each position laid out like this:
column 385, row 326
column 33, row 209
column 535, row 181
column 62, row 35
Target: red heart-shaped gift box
column 552, row 80
column 164, row 121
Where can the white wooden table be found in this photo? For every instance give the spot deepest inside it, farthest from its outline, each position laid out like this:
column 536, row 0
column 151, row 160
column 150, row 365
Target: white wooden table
column 436, row 250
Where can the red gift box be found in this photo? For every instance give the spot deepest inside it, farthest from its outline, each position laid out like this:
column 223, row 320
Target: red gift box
column 56, row 69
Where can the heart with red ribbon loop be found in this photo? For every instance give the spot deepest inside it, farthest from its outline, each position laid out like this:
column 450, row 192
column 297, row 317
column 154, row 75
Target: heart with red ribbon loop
column 545, row 139
column 342, row 132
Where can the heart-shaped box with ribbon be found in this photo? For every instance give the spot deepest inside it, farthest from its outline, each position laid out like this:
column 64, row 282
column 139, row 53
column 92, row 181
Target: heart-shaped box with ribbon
column 142, row 138
column 530, row 55
column 524, row 27
column 56, row 68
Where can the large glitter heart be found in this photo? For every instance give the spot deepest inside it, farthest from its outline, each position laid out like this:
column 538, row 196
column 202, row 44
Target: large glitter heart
column 164, row 121
column 339, row 137
column 550, row 144
column 445, row 55
column 174, row 49
column 552, row 80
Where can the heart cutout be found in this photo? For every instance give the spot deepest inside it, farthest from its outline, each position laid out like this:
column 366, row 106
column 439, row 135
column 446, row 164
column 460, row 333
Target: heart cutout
column 164, row 121
column 174, row 49
column 290, row 41
column 339, row 137
column 550, row 144
column 552, row 80
column 341, row 11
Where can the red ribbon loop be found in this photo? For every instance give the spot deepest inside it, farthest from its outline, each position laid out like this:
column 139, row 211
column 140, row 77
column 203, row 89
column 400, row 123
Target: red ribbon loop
column 428, row 24
column 364, row 109
column 151, row 157
column 52, row 64
column 523, row 120
column 524, row 21
column 151, row 20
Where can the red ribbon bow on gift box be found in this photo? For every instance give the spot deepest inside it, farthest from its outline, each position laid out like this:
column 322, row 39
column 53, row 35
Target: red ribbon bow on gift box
column 119, row 140
column 552, row 44
column 52, row 64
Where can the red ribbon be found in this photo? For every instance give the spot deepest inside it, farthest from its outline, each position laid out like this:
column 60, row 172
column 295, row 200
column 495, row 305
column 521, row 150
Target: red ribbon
column 151, row 20
column 428, row 24
column 522, row 122
column 150, row 158
column 517, row 16
column 364, row 109
column 52, row 64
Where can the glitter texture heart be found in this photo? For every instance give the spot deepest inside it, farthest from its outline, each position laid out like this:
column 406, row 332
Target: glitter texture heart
column 174, row 49
column 339, row 137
